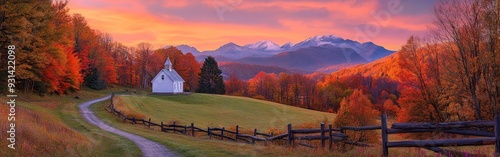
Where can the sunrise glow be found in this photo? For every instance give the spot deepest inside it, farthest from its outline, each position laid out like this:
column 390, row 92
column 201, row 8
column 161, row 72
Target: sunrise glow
column 208, row 24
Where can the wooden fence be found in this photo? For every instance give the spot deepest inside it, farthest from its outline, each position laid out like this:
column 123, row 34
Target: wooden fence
column 480, row 136
column 329, row 134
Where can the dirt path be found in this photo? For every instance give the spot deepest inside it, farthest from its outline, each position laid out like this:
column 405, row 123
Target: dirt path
column 148, row 147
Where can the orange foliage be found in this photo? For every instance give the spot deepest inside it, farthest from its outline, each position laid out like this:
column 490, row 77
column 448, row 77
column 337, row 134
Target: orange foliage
column 188, row 68
column 236, row 86
column 390, row 109
column 356, row 110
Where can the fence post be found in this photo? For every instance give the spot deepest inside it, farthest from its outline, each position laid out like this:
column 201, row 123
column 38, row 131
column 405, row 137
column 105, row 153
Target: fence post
column 255, row 135
column 133, row 120
column 497, row 135
column 237, row 132
column 174, row 127
column 192, row 129
column 161, row 126
column 322, row 135
column 290, row 135
column 222, row 133
column 209, row 134
column 330, row 138
column 149, row 124
column 185, row 130
column 385, row 150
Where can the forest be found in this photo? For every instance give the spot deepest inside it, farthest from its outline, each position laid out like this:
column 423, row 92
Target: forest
column 58, row 53
column 451, row 73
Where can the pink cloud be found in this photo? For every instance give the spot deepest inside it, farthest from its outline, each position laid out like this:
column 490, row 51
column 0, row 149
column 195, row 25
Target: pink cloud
column 169, row 22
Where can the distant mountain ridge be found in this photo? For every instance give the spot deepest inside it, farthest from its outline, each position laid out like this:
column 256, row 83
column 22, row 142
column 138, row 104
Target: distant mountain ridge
column 322, row 53
column 267, row 48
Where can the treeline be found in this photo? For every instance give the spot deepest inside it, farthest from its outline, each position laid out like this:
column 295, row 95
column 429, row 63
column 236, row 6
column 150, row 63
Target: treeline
column 59, row 53
column 313, row 91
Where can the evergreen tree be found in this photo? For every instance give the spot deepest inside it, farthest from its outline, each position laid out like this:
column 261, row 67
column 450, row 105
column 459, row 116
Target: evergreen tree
column 210, row 78
column 94, row 80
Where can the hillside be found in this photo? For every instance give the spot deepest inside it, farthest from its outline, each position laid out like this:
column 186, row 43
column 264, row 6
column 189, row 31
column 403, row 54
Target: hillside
column 309, row 59
column 385, row 67
column 221, row 111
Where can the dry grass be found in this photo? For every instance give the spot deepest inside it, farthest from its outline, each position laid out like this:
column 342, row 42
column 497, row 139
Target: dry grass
column 127, row 110
column 51, row 125
column 41, row 134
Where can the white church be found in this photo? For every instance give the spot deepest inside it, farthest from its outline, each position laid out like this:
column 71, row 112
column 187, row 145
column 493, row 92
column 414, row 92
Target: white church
column 168, row 81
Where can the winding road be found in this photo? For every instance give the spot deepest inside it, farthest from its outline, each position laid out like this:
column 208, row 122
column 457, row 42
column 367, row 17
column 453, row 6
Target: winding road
column 148, row 147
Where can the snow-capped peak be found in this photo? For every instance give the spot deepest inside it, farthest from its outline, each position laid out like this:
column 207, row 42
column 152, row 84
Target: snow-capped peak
column 319, row 38
column 287, row 45
column 264, row 45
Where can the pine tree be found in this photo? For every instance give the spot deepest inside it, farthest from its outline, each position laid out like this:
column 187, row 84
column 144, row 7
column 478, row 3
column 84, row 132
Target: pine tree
column 211, row 80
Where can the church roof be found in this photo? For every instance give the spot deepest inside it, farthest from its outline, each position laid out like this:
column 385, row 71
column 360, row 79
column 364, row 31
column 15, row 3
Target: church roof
column 173, row 75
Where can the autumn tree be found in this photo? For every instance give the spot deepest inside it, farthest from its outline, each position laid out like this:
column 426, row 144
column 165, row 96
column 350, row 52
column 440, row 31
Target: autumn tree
column 124, row 63
column 356, row 110
column 83, row 39
column 102, row 70
column 284, row 81
column 211, row 80
column 189, row 68
column 144, row 54
column 468, row 31
column 24, row 25
column 236, row 86
column 41, row 30
column 421, row 83
column 262, row 86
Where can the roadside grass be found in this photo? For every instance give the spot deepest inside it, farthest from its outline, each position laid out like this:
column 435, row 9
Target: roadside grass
column 51, row 125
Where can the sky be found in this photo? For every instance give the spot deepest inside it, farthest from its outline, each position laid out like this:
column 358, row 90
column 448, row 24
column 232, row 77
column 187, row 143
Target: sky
column 208, row 24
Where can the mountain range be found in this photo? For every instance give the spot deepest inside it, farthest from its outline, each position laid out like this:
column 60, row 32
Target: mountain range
column 322, row 53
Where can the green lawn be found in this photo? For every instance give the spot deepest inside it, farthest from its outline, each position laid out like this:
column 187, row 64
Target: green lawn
column 222, row 111
column 203, row 146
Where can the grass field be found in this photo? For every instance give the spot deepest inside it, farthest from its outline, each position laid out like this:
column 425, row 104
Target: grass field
column 203, row 146
column 219, row 111
column 51, row 125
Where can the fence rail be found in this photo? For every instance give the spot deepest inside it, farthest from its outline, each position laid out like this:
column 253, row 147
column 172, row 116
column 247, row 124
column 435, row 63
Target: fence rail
column 484, row 137
column 331, row 135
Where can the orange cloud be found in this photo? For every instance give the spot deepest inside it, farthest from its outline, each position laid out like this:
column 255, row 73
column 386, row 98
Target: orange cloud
column 165, row 22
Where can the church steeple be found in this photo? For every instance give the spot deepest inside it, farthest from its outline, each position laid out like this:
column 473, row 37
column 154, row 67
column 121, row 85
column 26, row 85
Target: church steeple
column 168, row 64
